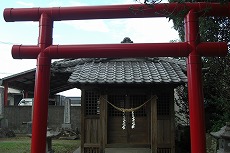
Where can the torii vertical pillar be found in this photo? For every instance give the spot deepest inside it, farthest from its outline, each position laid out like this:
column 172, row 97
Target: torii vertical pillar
column 42, row 86
column 195, row 89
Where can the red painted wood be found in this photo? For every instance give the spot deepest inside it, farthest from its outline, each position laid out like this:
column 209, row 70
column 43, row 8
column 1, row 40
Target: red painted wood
column 114, row 11
column 195, row 89
column 212, row 49
column 120, row 50
column 42, row 86
column 25, row 51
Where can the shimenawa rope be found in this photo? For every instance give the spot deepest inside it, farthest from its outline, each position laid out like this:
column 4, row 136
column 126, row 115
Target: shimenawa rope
column 128, row 109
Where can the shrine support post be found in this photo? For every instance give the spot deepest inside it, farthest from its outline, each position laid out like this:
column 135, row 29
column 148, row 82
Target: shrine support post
column 195, row 90
column 42, row 86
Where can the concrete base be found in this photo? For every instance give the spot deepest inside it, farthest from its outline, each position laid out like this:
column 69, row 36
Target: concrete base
column 78, row 150
column 66, row 126
column 29, row 127
column 122, row 150
column 127, row 150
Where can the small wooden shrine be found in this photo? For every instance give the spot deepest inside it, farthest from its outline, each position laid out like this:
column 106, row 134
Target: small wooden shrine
column 128, row 102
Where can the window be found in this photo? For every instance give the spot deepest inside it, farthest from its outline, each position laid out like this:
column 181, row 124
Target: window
column 92, row 103
column 163, row 103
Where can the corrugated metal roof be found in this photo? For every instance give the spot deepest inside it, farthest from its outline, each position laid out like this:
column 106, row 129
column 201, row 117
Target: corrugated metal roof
column 129, row 71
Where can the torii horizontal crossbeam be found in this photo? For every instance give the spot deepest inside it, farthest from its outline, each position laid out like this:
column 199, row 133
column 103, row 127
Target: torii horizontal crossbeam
column 115, row 11
column 182, row 49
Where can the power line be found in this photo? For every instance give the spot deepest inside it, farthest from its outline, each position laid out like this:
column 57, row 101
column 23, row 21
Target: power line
column 7, row 43
column 5, row 73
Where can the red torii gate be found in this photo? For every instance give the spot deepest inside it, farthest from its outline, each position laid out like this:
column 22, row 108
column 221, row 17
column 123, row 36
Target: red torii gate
column 45, row 51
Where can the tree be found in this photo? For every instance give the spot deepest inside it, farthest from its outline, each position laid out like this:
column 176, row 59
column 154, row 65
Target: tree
column 217, row 69
column 216, row 80
column 181, row 101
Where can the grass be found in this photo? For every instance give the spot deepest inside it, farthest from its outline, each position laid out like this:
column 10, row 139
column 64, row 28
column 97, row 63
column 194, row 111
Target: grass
column 21, row 144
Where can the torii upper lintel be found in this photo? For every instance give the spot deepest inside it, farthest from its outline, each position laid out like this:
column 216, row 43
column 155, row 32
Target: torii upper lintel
column 114, row 11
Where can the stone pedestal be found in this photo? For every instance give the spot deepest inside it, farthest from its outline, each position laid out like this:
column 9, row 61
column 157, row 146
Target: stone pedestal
column 1, row 103
column 67, row 124
column 49, row 136
column 223, row 135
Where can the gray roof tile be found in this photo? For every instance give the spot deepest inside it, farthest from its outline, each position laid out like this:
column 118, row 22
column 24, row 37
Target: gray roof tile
column 129, row 70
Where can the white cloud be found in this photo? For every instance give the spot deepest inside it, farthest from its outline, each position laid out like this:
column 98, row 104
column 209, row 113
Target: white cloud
column 56, row 36
column 89, row 25
column 57, row 3
column 74, row 3
column 144, row 30
column 11, row 66
column 156, row 1
column 125, row 2
column 27, row 4
column 151, row 30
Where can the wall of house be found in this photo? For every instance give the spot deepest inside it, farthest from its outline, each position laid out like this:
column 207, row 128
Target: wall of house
column 16, row 116
column 1, row 102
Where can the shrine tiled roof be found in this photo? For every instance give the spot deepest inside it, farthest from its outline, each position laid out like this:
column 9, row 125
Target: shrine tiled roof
column 126, row 71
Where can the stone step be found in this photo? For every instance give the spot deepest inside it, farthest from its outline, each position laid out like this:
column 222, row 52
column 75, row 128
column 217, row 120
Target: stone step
column 127, row 150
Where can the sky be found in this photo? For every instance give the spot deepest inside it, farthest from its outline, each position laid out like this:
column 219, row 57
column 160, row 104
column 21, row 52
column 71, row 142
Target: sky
column 148, row 30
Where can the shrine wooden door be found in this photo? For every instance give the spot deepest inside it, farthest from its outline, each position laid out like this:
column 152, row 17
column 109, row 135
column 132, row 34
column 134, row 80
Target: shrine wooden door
column 128, row 136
